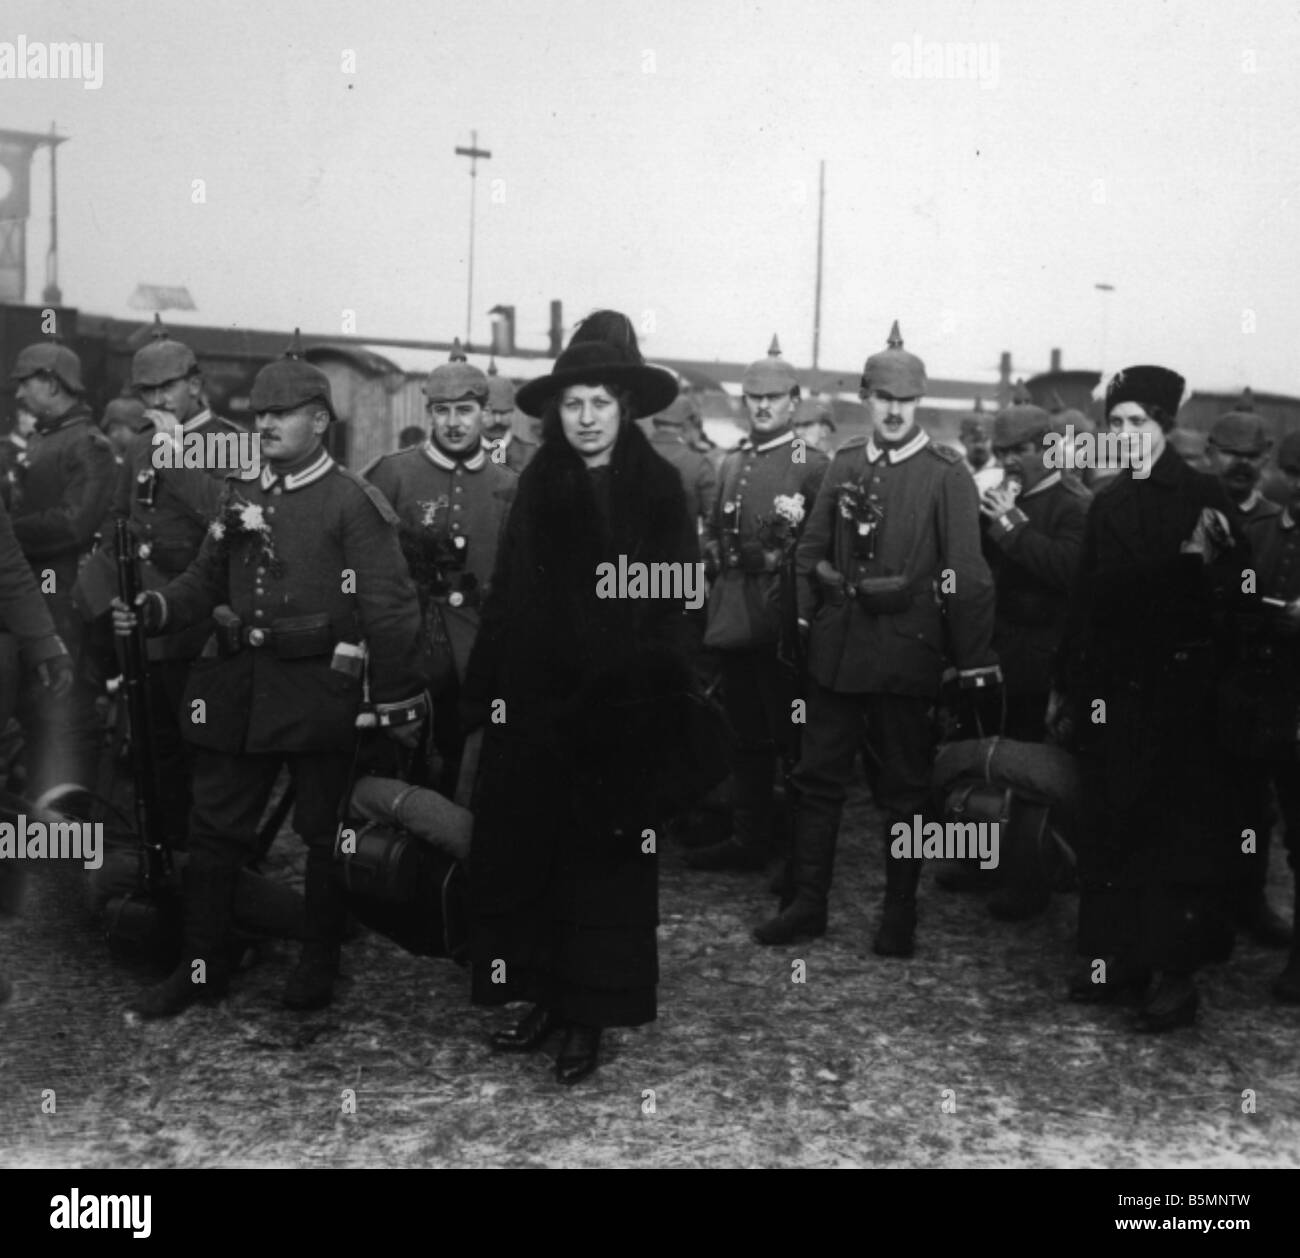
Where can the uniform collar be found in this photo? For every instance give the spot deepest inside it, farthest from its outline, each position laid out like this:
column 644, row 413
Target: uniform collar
column 785, row 438
column 1052, row 478
column 1250, row 503
column 1288, row 520
column 897, row 453
column 74, row 414
column 18, row 439
column 448, row 464
column 197, row 421
column 314, row 470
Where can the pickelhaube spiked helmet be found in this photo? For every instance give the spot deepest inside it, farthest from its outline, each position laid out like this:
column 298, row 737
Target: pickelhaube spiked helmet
column 771, row 374
column 49, row 356
column 455, row 380
column 290, row 382
column 894, row 370
column 161, row 359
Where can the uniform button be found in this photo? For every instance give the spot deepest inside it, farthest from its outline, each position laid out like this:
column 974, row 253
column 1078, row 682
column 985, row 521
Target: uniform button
column 261, row 572
column 456, row 507
column 270, row 511
column 259, row 613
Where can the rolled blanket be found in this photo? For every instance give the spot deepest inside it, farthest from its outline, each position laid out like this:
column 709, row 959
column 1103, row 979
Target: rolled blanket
column 1036, row 770
column 420, row 812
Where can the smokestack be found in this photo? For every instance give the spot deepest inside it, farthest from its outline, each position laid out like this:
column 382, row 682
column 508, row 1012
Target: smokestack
column 557, row 328
column 503, row 330
column 1056, row 360
column 1004, row 378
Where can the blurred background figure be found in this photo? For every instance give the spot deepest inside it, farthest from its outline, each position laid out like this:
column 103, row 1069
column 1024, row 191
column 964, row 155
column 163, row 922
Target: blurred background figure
column 815, row 425
column 123, row 418
column 668, row 439
column 411, row 437
column 503, row 444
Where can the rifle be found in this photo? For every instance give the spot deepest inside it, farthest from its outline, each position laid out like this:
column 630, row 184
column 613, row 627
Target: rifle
column 156, row 857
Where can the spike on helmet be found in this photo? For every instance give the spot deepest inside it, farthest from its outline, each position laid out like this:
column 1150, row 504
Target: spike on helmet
column 771, row 374
column 161, row 359
column 290, row 382
column 894, row 370
column 1242, row 430
column 455, row 380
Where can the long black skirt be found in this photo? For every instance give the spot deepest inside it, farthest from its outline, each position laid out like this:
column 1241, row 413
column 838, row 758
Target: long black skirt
column 565, row 908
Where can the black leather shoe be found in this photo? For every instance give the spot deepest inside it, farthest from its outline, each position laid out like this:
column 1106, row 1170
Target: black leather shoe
column 529, row 1033
column 729, row 854
column 1264, row 924
column 1172, row 1004
column 1286, row 987
column 311, row 985
column 178, row 991
column 897, row 932
column 578, row 1054
column 1124, row 983
column 801, row 920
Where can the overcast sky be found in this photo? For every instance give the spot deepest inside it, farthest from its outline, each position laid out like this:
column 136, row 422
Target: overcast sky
column 660, row 156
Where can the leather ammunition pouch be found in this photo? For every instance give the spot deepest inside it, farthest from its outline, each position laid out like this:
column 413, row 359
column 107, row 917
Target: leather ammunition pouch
column 884, row 596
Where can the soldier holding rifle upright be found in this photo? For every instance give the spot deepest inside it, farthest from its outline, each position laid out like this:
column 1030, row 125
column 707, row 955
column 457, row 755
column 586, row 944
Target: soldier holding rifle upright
column 299, row 568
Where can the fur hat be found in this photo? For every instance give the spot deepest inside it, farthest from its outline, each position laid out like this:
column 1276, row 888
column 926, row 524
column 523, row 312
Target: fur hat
column 1147, row 386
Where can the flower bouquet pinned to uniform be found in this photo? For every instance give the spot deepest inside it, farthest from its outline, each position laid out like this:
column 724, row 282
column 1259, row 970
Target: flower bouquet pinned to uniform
column 240, row 520
column 776, row 534
column 855, row 505
column 434, row 554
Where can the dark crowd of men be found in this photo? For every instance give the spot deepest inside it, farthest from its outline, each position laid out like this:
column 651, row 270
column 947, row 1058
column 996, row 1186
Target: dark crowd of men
column 856, row 595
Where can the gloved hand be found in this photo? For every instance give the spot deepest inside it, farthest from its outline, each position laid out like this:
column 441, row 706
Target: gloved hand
column 56, row 674
column 1211, row 536
column 1059, row 719
column 150, row 611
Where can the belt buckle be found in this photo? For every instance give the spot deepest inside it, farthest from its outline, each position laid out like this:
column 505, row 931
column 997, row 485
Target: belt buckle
column 256, row 637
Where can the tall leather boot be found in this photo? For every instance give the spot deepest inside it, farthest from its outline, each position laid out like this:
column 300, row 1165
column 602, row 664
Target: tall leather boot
column 1286, row 987
column 812, row 866
column 894, row 938
column 311, row 985
column 204, row 969
column 748, row 847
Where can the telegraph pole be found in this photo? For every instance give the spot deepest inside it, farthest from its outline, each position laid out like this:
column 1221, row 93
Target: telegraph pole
column 817, row 305
column 53, row 294
column 473, row 153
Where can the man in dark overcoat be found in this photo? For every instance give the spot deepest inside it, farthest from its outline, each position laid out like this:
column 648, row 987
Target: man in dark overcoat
column 1143, row 651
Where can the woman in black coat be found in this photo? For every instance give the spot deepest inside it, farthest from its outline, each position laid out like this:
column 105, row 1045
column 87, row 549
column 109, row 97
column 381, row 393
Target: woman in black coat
column 584, row 700
column 1147, row 639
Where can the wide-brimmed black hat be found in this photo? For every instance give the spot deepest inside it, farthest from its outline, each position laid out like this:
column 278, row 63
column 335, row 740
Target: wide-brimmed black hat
column 599, row 362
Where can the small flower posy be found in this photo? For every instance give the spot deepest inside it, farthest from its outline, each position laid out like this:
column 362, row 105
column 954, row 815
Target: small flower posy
column 856, row 505
column 240, row 519
column 790, row 507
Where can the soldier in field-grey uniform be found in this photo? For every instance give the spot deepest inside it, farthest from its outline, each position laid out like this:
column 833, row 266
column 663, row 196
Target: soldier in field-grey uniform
column 301, row 566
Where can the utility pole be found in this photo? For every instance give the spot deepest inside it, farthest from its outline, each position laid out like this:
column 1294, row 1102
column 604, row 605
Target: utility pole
column 473, row 153
column 1103, row 289
column 817, row 304
column 53, row 294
